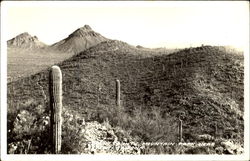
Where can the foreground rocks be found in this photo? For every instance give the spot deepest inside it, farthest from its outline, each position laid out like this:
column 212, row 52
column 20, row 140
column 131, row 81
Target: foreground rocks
column 30, row 136
column 103, row 138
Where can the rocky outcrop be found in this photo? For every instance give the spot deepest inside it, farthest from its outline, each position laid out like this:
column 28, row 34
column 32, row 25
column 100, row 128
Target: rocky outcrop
column 102, row 138
column 25, row 40
column 229, row 147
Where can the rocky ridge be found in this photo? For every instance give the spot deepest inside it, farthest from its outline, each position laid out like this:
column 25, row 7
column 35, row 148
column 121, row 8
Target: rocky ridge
column 25, row 40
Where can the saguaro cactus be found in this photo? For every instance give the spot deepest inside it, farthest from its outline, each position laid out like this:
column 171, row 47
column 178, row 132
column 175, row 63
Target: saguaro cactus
column 118, row 93
column 180, row 130
column 55, row 87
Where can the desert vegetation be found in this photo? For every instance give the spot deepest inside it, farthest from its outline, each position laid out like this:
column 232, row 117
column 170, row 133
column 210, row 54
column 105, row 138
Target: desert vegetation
column 203, row 87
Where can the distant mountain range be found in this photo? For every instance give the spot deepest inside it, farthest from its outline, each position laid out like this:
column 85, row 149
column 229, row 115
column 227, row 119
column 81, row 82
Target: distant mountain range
column 76, row 42
column 37, row 55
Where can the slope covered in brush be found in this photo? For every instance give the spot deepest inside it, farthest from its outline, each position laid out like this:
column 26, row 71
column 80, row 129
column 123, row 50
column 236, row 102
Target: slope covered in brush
column 202, row 85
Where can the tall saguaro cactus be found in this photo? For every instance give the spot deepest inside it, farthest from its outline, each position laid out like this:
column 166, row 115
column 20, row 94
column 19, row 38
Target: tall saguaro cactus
column 180, row 130
column 118, row 93
column 55, row 87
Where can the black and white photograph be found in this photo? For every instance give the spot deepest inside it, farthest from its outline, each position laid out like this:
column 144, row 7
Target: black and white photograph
column 125, row 80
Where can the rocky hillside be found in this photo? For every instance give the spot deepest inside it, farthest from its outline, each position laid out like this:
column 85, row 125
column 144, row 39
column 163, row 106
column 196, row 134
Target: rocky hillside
column 203, row 86
column 25, row 40
column 79, row 40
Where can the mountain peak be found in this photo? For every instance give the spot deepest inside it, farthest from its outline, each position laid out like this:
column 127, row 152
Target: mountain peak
column 25, row 40
column 86, row 27
column 79, row 40
column 86, row 30
column 24, row 34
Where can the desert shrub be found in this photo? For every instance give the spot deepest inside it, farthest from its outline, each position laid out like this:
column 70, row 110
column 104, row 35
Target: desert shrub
column 144, row 124
column 72, row 134
column 28, row 132
column 153, row 127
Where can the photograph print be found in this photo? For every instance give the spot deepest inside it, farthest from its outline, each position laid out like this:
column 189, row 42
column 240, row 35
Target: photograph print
column 125, row 78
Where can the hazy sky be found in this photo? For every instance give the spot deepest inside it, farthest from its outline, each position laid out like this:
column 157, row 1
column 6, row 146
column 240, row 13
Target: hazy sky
column 150, row 24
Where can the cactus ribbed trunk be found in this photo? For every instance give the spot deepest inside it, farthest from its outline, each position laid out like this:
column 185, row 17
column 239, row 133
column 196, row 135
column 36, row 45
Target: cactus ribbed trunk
column 55, row 87
column 180, row 130
column 118, row 93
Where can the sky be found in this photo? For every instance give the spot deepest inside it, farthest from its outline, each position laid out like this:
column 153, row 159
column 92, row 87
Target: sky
column 150, row 24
